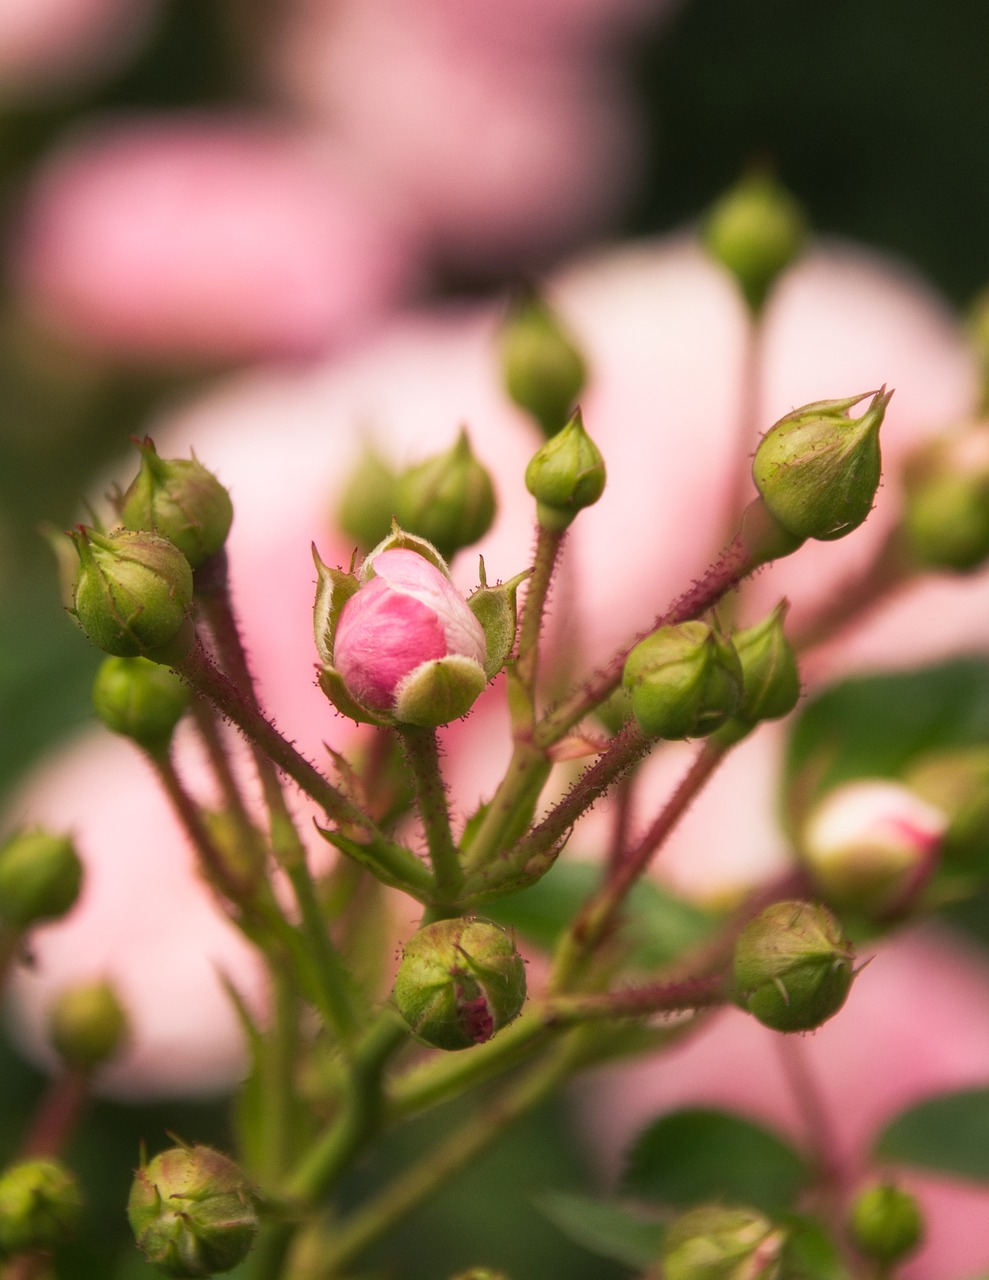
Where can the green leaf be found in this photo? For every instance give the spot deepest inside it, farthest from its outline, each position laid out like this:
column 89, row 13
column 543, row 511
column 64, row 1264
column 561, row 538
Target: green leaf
column 949, row 1133
column 810, row 1253
column 875, row 726
column 608, row 1228
column 695, row 1155
column 659, row 926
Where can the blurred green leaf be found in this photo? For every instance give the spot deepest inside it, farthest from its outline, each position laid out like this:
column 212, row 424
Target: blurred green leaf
column 659, row 927
column 949, row 1132
column 810, row 1253
column 695, row 1155
column 874, row 726
column 608, row 1228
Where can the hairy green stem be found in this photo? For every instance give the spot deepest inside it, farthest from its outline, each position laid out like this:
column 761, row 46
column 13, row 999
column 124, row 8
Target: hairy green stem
column 422, row 754
column 549, row 543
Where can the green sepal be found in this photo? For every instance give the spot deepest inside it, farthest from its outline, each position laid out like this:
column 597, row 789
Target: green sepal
column 391, row 864
column 333, row 589
column 496, row 610
column 332, row 685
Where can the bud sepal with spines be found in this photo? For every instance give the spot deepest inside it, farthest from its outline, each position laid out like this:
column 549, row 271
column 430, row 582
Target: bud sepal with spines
column 683, row 681
column 133, row 594
column 179, row 499
column 496, row 609
column 193, row 1212
column 818, row 469
column 566, row 475
column 459, row 982
column 793, row 967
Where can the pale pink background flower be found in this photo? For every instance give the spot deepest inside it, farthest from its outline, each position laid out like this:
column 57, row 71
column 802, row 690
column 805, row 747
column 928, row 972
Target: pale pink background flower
column 666, row 337
column 48, row 47
column 204, row 237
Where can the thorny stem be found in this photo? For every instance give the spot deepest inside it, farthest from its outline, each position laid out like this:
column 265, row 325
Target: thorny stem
column 423, row 756
column 637, row 1001
column 549, row 543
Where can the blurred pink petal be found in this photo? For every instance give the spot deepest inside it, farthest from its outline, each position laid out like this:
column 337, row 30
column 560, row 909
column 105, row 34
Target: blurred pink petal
column 50, row 46
column 203, row 238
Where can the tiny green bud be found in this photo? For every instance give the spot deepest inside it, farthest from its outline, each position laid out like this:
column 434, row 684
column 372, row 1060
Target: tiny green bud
column 886, row 1223
column 87, row 1025
column 40, row 877
column 683, row 681
column 793, row 966
column 133, row 592
column 40, row 1206
column 756, row 230
column 193, row 1212
column 770, row 677
column 871, row 845
column 818, row 470
column 946, row 500
column 543, row 368
column 459, row 982
column 140, row 700
column 720, row 1242
column 448, row 499
column 180, row 500
column 566, row 475
column 367, row 503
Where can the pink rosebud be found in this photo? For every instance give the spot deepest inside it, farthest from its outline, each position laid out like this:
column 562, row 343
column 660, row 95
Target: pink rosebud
column 407, row 630
column 870, row 845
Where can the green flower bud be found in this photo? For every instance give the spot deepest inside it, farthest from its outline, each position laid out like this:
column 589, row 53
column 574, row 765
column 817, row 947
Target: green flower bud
column 719, row 1242
column 40, row 1206
column 683, row 681
column 756, row 230
column 133, row 593
column 818, row 470
column 770, row 677
column 87, row 1025
column 367, row 504
column 448, row 499
column 459, row 982
column 140, row 700
column 946, row 500
column 793, row 966
column 180, row 500
column 40, row 877
column 886, row 1223
column 566, row 475
column 956, row 783
column 543, row 368
column 871, row 845
column 192, row 1212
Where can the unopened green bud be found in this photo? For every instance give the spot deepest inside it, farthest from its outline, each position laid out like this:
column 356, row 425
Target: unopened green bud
column 133, row 593
column 140, row 700
column 793, row 966
column 87, row 1025
column 719, row 1242
column 886, row 1224
column 543, row 368
column 946, row 500
column 871, row 845
column 180, row 500
column 566, row 475
column 956, row 783
column 770, row 677
column 448, row 499
column 683, row 681
column 818, row 470
column 459, row 982
column 192, row 1212
column 756, row 230
column 367, row 502
column 40, row 1206
column 40, row 877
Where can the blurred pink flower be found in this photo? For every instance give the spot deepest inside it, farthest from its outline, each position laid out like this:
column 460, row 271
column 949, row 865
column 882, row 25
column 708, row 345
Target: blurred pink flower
column 203, row 238
column 50, row 46
column 503, row 133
